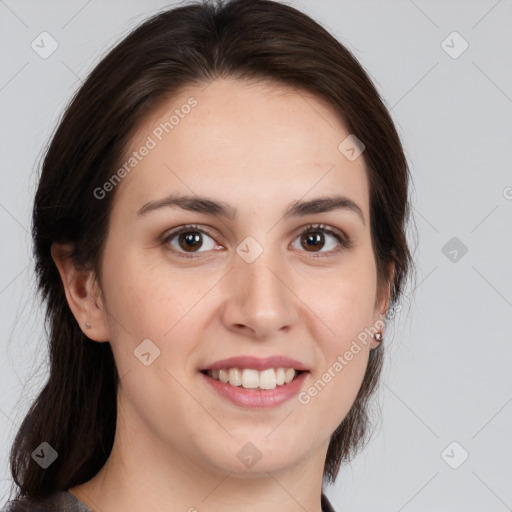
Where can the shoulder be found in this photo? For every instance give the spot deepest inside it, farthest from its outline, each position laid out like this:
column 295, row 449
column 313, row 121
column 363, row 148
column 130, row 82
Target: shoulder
column 326, row 504
column 64, row 501
column 60, row 501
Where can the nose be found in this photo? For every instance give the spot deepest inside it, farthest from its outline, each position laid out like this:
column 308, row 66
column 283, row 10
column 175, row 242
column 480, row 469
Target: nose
column 260, row 301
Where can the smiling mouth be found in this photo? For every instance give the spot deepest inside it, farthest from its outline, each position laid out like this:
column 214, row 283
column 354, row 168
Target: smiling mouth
column 251, row 379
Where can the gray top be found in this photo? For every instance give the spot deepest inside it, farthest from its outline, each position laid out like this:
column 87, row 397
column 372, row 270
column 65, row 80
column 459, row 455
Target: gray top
column 61, row 501
column 64, row 501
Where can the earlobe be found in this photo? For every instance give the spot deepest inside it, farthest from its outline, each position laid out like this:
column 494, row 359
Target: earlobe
column 82, row 293
column 382, row 305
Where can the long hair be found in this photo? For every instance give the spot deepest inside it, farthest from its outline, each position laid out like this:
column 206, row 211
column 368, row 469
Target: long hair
column 191, row 44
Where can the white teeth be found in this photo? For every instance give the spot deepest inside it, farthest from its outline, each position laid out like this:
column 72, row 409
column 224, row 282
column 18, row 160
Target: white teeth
column 249, row 378
column 289, row 374
column 235, row 377
column 268, row 378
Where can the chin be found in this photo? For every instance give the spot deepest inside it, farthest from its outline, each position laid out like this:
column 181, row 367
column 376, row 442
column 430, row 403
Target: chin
column 254, row 456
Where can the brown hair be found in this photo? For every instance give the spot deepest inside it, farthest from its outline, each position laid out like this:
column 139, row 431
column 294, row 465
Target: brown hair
column 191, row 44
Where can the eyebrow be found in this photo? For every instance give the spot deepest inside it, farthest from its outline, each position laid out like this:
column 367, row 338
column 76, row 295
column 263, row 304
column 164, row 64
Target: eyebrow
column 209, row 206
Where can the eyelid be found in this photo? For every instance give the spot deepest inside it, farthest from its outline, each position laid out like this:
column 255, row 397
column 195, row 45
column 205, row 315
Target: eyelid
column 169, row 235
column 342, row 238
column 184, row 229
column 344, row 241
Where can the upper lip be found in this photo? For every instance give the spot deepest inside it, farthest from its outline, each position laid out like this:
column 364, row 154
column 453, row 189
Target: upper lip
column 257, row 363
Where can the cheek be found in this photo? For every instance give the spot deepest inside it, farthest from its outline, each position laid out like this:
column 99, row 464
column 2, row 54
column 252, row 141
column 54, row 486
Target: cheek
column 342, row 348
column 345, row 304
column 344, row 344
column 169, row 307
column 151, row 311
column 149, row 300
column 345, row 300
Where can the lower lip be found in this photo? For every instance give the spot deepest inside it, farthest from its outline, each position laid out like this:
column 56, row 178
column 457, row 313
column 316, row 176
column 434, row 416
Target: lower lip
column 261, row 398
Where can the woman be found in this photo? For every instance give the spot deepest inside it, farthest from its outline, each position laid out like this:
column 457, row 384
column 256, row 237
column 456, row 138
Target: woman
column 219, row 230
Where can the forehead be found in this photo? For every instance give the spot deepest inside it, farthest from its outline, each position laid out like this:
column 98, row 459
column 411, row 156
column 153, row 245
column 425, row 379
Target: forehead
column 237, row 139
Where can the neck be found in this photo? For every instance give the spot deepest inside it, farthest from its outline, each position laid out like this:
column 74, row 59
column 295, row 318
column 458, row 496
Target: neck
column 141, row 475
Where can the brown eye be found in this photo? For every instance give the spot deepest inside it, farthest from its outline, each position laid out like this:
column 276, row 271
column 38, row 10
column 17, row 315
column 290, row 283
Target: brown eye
column 188, row 240
column 313, row 240
column 318, row 237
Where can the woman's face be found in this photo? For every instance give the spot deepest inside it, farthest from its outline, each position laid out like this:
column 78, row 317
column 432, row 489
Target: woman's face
column 252, row 283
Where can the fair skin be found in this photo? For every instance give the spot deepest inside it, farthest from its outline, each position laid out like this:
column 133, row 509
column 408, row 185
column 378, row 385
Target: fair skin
column 257, row 147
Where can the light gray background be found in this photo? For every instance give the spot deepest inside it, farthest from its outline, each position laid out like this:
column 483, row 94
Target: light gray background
column 448, row 370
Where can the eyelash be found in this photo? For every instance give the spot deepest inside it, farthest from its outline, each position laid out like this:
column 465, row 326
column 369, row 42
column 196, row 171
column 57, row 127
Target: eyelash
column 343, row 241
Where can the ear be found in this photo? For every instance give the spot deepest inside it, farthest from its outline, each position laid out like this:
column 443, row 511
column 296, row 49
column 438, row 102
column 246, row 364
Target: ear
column 383, row 299
column 82, row 293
